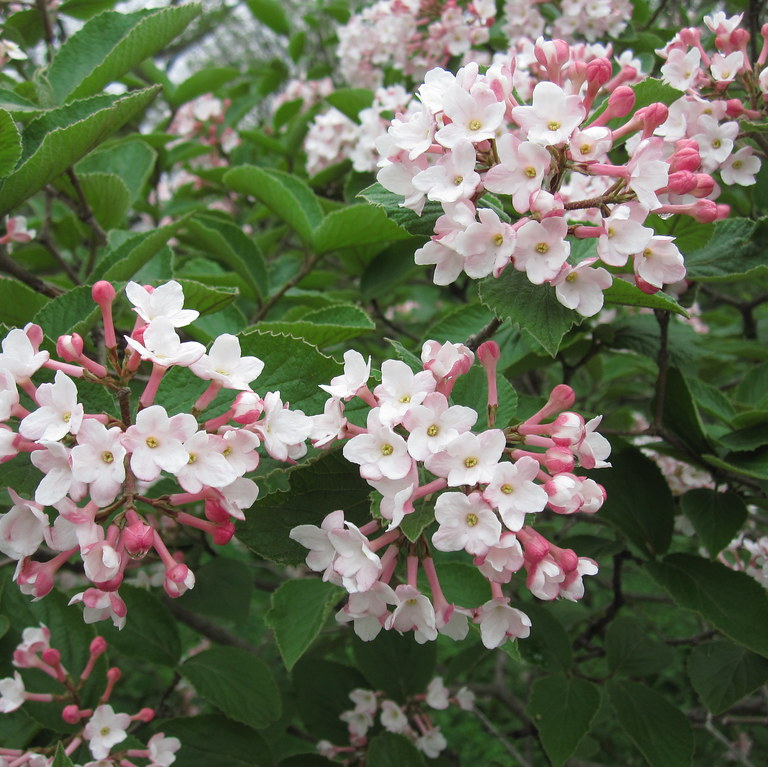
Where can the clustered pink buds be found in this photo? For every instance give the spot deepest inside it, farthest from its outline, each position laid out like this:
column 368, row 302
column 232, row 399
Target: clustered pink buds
column 483, row 486
column 97, row 467
column 101, row 728
column 410, row 720
column 537, row 127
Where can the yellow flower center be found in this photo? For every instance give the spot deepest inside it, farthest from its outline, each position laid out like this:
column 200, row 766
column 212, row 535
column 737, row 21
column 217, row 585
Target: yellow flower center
column 104, row 731
column 387, row 449
column 405, row 398
column 542, row 247
column 571, row 277
column 530, row 171
column 507, row 489
column 470, row 462
column 472, row 519
column 107, row 457
column 498, row 240
column 432, row 431
column 475, row 125
column 227, row 451
column 459, row 180
column 554, row 125
column 66, row 417
column 647, row 252
column 716, row 143
column 584, row 148
column 152, row 442
column 192, row 458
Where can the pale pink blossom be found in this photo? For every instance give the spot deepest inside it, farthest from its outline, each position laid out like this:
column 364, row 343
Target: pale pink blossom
column 498, row 621
column 22, row 528
column 225, row 364
column 97, row 460
column 166, row 301
column 466, row 522
column 59, row 413
column 105, row 729
column 514, row 493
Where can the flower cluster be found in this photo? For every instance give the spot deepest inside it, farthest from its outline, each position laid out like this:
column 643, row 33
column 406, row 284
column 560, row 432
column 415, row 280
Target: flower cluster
column 410, row 36
column 92, row 502
column 101, row 728
column 551, row 161
column 749, row 555
column 410, row 720
column 415, row 445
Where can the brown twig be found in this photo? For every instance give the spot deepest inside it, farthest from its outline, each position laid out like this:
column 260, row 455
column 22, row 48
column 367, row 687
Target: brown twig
column 7, row 264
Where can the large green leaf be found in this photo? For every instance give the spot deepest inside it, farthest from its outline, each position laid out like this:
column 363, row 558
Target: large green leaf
column 732, row 602
column 562, row 709
column 376, row 194
column 61, row 759
column 630, row 651
column 723, row 673
column 65, row 144
column 735, row 251
column 272, row 14
column 657, row 727
column 388, row 749
column 549, row 645
column 356, row 226
column 108, row 197
column 639, row 501
column 397, row 665
column 289, row 198
column 131, row 160
column 626, row 294
column 207, row 80
column 223, row 589
column 111, row 44
column 351, row 101
column 534, row 308
column 10, row 143
column 325, row 327
column 71, row 312
column 313, row 600
column 716, row 517
column 150, row 632
column 18, row 302
column 237, row 682
column 212, row 739
column 315, row 491
column 681, row 415
column 227, row 243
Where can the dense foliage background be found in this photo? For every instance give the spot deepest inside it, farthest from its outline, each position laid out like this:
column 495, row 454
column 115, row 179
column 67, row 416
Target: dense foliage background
column 228, row 147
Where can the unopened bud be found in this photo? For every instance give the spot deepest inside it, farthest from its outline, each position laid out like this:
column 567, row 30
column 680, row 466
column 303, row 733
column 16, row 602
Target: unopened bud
column 137, row 539
column 72, row 714
column 488, row 351
column 222, row 534
column 51, row 656
column 621, row 101
column 599, row 71
column 704, row 211
column 70, row 347
column 98, row 646
column 103, row 292
column 145, row 715
column 34, row 334
column 681, row 182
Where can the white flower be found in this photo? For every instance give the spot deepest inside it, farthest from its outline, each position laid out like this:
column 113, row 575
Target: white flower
column 225, row 364
column 105, row 729
column 164, row 301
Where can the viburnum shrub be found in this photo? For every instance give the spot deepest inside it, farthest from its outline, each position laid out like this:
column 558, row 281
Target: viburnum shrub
column 383, row 383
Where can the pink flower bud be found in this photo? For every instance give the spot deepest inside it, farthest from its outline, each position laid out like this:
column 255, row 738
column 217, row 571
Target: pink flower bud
column 566, row 558
column 723, row 211
column 559, row 459
column 552, row 53
column 681, row 182
column 103, row 292
column 215, row 512
column 646, row 287
column 704, row 211
column 705, row 185
column 488, row 351
column 51, row 656
column 137, row 539
column 690, row 36
column 145, row 715
column 98, row 646
column 734, row 108
column 71, row 714
column 599, row 71
column 113, row 675
column 686, row 156
column 70, row 347
column 223, row 533
column 621, row 101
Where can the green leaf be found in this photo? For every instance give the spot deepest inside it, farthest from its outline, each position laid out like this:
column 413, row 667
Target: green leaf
column 272, row 14
column 237, row 682
column 681, row 415
column 316, row 490
column 65, row 145
column 296, row 45
column 463, row 584
column 18, row 302
column 223, row 589
column 732, row 602
column 750, row 436
column 212, row 739
column 204, row 299
column 108, row 197
column 61, row 759
column 356, row 226
column 659, row 729
column 388, row 269
column 630, row 651
column 750, row 464
column 322, row 690
column 351, row 101
column 742, row 240
column 549, row 645
column 110, row 45
column 131, row 160
column 626, row 294
column 471, row 390
column 533, row 308
column 313, row 600
column 424, row 224
column 723, row 673
column 84, row 9
column 414, row 524
column 388, row 749
column 71, row 312
column 150, row 632
column 639, row 501
column 289, row 198
column 227, row 243
column 10, row 144
column 207, row 80
column 397, row 665
column 562, row 710
column 122, row 261
column 325, row 327
column 716, row 517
